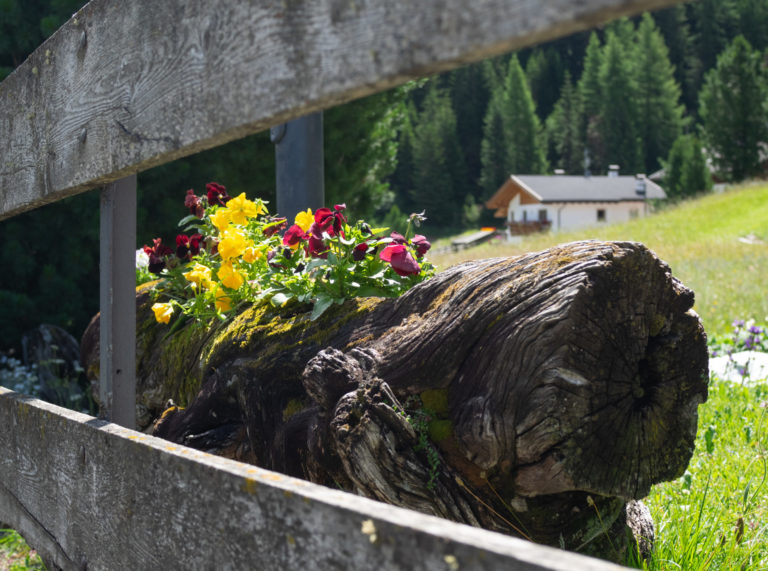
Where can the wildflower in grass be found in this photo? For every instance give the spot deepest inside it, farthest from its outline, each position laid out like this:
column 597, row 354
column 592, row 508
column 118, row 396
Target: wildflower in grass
column 241, row 209
column 199, row 275
column 163, row 312
column 216, row 194
column 294, row 236
column 400, row 259
column 233, row 243
column 229, row 276
column 304, row 219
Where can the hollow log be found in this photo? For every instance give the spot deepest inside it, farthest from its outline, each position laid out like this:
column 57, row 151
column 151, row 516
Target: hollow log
column 537, row 396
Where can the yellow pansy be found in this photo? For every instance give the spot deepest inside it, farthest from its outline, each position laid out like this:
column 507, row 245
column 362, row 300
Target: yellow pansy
column 241, row 209
column 223, row 302
column 229, row 276
column 221, row 219
column 199, row 275
column 233, row 243
column 163, row 312
column 304, row 219
column 251, row 254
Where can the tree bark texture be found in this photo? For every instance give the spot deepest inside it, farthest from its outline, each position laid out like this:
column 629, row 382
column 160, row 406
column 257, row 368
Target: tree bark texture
column 538, row 395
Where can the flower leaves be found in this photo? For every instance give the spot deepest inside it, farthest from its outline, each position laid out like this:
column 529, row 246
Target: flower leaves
column 236, row 256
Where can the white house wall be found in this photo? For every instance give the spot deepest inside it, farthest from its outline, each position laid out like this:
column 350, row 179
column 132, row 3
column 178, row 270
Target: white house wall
column 569, row 216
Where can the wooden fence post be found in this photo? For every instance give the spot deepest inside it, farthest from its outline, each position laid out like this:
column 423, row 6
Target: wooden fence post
column 117, row 299
column 299, row 165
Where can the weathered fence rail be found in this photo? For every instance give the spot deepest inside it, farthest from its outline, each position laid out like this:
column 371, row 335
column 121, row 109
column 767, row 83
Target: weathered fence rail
column 94, row 495
column 124, row 86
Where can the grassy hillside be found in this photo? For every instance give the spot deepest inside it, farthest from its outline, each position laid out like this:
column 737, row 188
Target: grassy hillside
column 699, row 239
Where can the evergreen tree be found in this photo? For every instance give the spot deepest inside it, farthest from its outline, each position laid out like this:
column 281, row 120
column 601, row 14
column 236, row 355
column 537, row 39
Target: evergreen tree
column 522, row 129
column 686, row 169
column 618, row 108
column 401, row 179
column 544, row 71
column 714, row 22
column 470, row 93
column 674, row 27
column 439, row 162
column 733, row 111
column 563, row 129
column 590, row 94
column 661, row 116
column 494, row 148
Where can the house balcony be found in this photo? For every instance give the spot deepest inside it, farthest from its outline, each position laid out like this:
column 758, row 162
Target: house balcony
column 525, row 228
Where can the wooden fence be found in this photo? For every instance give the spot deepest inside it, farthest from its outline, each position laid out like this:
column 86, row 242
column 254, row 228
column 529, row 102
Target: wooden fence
column 125, row 86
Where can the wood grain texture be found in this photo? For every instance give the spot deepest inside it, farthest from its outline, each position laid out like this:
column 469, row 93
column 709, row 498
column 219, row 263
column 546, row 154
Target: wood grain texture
column 124, row 86
column 92, row 495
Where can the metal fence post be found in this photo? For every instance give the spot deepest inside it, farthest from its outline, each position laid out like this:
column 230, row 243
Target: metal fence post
column 299, row 165
column 117, row 298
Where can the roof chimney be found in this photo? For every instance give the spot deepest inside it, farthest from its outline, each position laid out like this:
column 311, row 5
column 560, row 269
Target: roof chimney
column 613, row 170
column 640, row 184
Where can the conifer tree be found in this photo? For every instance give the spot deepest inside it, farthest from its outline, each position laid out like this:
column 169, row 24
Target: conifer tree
column 522, row 129
column 563, row 129
column 661, row 116
column 618, row 109
column 686, row 169
column 590, row 94
column 493, row 154
column 733, row 111
column 439, row 162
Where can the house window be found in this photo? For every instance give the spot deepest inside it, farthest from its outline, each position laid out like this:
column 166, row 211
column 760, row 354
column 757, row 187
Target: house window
column 543, row 215
column 633, row 213
column 525, row 216
column 601, row 214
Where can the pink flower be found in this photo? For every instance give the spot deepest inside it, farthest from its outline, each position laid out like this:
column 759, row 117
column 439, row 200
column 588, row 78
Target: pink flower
column 294, row 236
column 421, row 244
column 400, row 259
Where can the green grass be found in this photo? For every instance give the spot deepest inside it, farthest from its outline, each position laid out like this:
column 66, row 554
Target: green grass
column 716, row 516
column 699, row 239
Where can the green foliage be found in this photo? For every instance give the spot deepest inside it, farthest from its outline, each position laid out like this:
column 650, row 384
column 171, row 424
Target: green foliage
column 714, row 516
column 439, row 177
column 16, row 555
column 733, row 111
column 563, row 129
column 658, row 94
column 618, row 119
column 686, row 171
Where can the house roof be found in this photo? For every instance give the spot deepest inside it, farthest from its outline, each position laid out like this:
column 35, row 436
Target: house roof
column 561, row 188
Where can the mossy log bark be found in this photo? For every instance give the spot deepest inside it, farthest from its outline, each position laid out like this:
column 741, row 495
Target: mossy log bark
column 534, row 395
